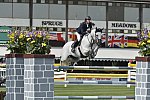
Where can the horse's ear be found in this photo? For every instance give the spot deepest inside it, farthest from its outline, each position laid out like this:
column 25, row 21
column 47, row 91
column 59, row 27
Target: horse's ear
column 96, row 29
column 99, row 30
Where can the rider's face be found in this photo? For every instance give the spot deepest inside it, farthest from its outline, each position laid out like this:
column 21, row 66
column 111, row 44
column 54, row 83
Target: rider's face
column 88, row 21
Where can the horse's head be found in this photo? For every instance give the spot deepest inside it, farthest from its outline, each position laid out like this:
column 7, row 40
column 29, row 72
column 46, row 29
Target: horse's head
column 96, row 35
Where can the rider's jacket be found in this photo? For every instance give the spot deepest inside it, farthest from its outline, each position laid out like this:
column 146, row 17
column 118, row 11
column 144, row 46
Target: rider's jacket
column 83, row 28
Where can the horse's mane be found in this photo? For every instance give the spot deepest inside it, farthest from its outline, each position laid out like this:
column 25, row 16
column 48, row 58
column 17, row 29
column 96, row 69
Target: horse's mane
column 93, row 30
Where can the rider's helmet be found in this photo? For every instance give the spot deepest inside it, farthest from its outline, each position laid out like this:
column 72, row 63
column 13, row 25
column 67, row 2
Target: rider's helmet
column 88, row 18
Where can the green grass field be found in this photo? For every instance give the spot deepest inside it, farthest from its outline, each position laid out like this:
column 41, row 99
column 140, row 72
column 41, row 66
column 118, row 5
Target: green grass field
column 93, row 90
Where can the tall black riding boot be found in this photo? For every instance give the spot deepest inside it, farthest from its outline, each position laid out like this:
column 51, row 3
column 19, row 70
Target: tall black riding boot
column 74, row 45
column 79, row 42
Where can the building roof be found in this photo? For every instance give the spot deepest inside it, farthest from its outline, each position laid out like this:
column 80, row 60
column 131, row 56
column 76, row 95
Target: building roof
column 133, row 1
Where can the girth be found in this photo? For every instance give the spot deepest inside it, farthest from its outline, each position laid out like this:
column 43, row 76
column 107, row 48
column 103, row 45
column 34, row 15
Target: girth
column 82, row 56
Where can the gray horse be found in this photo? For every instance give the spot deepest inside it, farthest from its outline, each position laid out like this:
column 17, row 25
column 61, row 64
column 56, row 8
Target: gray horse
column 88, row 48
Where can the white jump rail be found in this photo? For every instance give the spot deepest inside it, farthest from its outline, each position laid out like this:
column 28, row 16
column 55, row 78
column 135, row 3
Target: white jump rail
column 94, row 97
column 94, row 67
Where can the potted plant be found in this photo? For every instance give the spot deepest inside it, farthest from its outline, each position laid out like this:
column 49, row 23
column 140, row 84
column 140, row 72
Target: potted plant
column 143, row 66
column 29, row 66
column 144, row 42
column 26, row 42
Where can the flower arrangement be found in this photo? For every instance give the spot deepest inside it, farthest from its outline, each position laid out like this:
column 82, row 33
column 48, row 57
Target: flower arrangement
column 29, row 42
column 144, row 42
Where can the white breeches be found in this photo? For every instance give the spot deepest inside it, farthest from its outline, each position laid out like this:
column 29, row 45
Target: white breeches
column 78, row 35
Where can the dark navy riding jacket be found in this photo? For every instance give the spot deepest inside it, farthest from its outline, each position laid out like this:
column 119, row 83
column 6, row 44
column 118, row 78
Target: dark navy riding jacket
column 83, row 28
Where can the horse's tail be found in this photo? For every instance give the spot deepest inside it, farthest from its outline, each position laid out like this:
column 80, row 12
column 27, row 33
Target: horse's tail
column 65, row 53
column 62, row 62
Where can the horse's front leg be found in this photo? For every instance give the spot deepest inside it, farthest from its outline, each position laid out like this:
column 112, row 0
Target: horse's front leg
column 94, row 52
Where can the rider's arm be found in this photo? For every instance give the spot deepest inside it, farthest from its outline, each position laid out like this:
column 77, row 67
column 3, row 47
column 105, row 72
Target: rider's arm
column 91, row 25
column 83, row 30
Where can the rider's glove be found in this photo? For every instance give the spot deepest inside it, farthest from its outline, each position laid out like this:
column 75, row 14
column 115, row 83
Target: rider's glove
column 88, row 31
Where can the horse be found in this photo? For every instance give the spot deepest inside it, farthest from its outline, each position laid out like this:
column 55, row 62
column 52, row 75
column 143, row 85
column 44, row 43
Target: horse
column 88, row 48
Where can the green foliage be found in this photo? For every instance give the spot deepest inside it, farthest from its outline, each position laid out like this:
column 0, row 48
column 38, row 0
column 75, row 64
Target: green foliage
column 26, row 42
column 144, row 42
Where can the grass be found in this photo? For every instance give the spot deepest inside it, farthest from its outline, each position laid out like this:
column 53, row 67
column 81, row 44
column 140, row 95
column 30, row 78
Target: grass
column 93, row 90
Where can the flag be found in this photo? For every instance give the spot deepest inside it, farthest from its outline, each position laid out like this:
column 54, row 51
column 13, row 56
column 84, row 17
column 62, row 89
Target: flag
column 117, row 40
column 103, row 37
column 132, row 41
column 120, row 40
column 61, row 37
column 53, row 36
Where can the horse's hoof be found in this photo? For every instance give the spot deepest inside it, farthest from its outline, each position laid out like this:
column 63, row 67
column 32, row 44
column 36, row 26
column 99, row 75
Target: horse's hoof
column 75, row 64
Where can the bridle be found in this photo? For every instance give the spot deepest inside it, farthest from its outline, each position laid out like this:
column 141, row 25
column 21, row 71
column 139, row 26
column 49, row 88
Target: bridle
column 93, row 41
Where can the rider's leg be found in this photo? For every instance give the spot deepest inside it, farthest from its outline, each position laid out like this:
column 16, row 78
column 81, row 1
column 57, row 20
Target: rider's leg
column 74, row 45
column 80, row 39
column 77, row 42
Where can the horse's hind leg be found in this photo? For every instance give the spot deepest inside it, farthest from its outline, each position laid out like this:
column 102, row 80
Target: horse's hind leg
column 75, row 63
column 64, row 63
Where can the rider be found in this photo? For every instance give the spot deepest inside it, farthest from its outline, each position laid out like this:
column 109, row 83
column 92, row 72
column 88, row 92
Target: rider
column 84, row 28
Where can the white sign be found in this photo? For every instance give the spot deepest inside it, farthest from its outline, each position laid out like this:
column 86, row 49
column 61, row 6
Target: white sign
column 124, row 25
column 52, row 23
column 76, row 23
column 49, row 23
column 62, row 23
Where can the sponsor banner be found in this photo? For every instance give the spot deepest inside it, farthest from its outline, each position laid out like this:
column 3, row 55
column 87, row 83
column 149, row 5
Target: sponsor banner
column 124, row 25
column 62, row 23
column 48, row 23
column 52, row 23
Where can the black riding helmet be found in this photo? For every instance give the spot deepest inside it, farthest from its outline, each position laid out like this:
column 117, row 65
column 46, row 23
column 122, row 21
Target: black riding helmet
column 88, row 18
